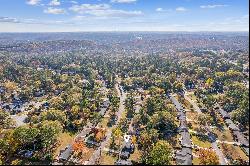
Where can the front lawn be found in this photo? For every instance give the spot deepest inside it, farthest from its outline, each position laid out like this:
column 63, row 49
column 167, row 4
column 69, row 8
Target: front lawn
column 201, row 141
column 64, row 140
column 107, row 159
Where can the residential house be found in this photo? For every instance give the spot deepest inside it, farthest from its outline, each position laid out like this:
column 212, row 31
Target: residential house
column 123, row 162
column 184, row 156
column 127, row 148
column 64, row 156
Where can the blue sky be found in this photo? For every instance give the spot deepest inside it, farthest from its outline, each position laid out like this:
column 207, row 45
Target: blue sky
column 123, row 15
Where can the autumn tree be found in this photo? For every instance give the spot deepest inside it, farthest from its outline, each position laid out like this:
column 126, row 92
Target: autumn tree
column 49, row 131
column 5, row 120
column 117, row 135
column 147, row 139
column 57, row 103
column 52, row 115
column 208, row 157
column 160, row 154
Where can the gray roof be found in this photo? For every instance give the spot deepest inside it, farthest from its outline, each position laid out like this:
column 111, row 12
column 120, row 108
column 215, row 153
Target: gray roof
column 123, row 162
column 224, row 114
column 125, row 154
column 184, row 151
column 103, row 111
column 246, row 150
column 186, row 139
column 184, row 157
column 241, row 139
column 231, row 125
column 66, row 153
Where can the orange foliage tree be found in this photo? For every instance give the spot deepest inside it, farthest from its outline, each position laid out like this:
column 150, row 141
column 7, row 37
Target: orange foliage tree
column 208, row 157
column 79, row 147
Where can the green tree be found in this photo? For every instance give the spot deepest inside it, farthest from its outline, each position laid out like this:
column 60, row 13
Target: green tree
column 52, row 115
column 241, row 115
column 147, row 139
column 57, row 103
column 5, row 120
column 160, row 154
column 49, row 131
column 25, row 136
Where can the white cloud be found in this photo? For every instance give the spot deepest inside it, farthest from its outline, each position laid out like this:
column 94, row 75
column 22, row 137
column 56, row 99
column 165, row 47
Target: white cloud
column 181, row 9
column 163, row 10
column 54, row 3
column 114, row 13
column 103, row 10
column 52, row 10
column 86, row 7
column 78, row 18
column 159, row 10
column 8, row 19
column 33, row 2
column 211, row 6
column 123, row 1
column 74, row 2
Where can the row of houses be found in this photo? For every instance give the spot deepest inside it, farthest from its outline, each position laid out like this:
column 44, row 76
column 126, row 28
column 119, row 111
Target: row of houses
column 183, row 156
column 127, row 148
column 66, row 153
column 237, row 134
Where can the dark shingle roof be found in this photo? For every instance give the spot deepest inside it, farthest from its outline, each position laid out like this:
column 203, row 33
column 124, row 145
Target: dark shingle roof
column 184, row 157
column 186, row 140
column 66, row 154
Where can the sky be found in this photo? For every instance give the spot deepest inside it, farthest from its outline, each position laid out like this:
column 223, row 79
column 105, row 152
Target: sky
column 123, row 15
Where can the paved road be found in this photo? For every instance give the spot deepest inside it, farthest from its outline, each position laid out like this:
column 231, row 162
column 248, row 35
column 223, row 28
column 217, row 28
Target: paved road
column 97, row 153
column 196, row 108
column 222, row 159
column 210, row 135
column 229, row 143
column 176, row 103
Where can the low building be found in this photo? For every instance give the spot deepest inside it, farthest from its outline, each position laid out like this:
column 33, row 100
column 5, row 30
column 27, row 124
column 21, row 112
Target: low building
column 240, row 138
column 123, row 162
column 124, row 155
column 231, row 125
column 127, row 147
column 64, row 156
column 184, row 156
column 223, row 113
column 186, row 140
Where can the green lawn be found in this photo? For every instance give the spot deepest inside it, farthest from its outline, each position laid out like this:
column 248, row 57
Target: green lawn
column 104, row 122
column 187, row 104
column 224, row 135
column 107, row 159
column 197, row 141
column 64, row 139
column 192, row 96
column 233, row 151
column 136, row 155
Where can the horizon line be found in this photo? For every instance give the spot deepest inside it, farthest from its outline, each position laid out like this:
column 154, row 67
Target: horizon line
column 127, row 31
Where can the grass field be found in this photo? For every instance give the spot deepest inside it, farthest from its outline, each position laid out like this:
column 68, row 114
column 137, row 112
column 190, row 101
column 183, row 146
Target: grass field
column 202, row 143
column 136, row 155
column 224, row 135
column 233, row 151
column 196, row 161
column 107, row 159
column 64, row 140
